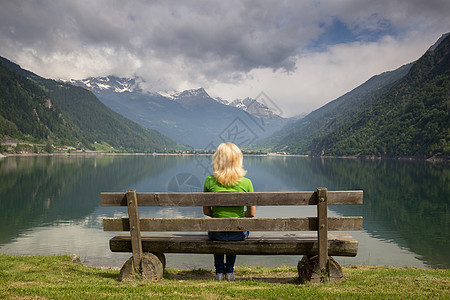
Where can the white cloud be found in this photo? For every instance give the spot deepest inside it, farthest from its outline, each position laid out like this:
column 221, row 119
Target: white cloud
column 325, row 76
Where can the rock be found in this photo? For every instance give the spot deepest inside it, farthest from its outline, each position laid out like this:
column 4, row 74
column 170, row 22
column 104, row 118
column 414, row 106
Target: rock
column 76, row 259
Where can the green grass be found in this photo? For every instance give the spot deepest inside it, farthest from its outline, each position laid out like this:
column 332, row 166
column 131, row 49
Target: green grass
column 57, row 277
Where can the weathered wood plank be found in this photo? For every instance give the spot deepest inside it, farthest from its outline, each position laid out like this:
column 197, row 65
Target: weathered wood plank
column 322, row 230
column 338, row 244
column 240, row 224
column 135, row 230
column 233, row 199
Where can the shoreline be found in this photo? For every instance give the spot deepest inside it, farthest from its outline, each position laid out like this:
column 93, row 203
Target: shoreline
column 95, row 153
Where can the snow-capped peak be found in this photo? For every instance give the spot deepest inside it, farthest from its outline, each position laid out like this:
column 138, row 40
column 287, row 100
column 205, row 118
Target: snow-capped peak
column 200, row 93
column 252, row 106
column 222, row 101
column 112, row 83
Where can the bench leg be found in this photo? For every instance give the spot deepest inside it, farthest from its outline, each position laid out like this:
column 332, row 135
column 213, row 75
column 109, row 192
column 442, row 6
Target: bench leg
column 309, row 270
column 151, row 268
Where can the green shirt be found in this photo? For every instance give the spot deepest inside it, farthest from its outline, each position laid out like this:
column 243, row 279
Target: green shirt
column 212, row 186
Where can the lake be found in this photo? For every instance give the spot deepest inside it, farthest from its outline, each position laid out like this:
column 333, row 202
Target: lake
column 51, row 205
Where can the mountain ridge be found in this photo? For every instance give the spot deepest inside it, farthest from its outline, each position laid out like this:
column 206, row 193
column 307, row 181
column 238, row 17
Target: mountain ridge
column 132, row 85
column 332, row 114
column 190, row 117
column 117, row 84
column 79, row 118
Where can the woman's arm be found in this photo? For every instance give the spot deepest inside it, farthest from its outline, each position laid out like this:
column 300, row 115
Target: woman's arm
column 250, row 212
column 207, row 211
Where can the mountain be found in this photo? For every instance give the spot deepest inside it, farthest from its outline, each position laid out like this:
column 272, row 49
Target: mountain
column 254, row 107
column 189, row 117
column 38, row 109
column 112, row 83
column 120, row 85
column 194, row 97
column 27, row 111
column 299, row 136
column 398, row 113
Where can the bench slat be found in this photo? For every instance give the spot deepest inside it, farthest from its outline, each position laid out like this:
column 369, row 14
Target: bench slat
column 338, row 244
column 237, row 224
column 233, row 199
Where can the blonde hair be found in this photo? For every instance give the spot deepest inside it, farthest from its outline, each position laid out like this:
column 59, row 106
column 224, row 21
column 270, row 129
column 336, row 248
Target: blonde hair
column 227, row 164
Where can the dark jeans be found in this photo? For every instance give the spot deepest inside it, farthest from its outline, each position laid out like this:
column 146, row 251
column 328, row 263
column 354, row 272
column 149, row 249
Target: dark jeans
column 227, row 266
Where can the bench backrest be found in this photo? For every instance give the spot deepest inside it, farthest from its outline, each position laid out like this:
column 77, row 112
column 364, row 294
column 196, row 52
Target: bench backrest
column 234, row 199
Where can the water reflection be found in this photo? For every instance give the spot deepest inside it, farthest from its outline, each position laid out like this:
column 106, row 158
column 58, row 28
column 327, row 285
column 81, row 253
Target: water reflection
column 404, row 202
column 39, row 191
column 51, row 204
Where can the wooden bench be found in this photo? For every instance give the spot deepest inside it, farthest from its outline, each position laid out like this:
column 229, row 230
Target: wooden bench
column 148, row 258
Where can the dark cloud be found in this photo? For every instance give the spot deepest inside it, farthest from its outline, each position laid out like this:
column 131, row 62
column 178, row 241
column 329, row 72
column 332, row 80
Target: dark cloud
column 173, row 43
column 240, row 35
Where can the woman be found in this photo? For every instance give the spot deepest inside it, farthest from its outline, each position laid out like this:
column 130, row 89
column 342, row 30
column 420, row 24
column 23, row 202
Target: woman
column 228, row 177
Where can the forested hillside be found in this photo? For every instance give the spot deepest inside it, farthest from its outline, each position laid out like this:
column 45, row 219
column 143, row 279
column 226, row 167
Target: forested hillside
column 41, row 110
column 28, row 113
column 399, row 113
column 411, row 119
column 299, row 137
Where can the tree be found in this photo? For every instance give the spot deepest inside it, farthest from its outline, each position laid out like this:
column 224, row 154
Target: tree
column 48, row 148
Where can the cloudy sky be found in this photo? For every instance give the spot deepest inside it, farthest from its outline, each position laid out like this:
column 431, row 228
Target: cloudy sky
column 301, row 54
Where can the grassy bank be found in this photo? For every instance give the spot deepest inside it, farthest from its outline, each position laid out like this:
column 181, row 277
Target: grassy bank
column 57, row 277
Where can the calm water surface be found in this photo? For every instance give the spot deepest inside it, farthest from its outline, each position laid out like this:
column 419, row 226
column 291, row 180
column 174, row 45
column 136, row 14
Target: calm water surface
column 51, row 205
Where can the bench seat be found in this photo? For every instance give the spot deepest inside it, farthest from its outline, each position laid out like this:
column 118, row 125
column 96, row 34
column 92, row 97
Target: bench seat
column 287, row 244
